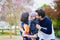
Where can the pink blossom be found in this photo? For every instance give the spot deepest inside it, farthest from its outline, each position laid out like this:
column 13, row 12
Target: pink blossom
column 18, row 2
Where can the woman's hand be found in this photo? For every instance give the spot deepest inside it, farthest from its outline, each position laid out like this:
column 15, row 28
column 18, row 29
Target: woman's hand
column 33, row 36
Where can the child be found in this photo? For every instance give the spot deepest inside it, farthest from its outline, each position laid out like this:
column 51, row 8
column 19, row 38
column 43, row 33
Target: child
column 24, row 29
column 33, row 23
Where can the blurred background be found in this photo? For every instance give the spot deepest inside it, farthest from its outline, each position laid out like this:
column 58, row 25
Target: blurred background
column 10, row 12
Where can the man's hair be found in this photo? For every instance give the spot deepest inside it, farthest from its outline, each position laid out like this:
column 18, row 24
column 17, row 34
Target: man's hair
column 41, row 13
column 24, row 17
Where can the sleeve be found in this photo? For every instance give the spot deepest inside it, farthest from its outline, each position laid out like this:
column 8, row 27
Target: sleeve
column 33, row 28
column 48, row 29
column 21, row 29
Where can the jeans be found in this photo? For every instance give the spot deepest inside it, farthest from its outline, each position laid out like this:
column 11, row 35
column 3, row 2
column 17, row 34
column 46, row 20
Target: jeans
column 25, row 38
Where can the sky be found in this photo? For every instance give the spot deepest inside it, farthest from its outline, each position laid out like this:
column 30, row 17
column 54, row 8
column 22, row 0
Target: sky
column 39, row 3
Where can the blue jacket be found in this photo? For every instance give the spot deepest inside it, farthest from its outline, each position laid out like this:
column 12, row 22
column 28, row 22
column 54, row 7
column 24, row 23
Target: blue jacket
column 33, row 28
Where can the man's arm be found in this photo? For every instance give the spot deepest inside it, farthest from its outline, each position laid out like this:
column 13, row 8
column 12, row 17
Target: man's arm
column 48, row 29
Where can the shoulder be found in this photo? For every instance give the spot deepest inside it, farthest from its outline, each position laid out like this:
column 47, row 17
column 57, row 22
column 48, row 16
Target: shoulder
column 22, row 24
column 26, row 25
column 48, row 20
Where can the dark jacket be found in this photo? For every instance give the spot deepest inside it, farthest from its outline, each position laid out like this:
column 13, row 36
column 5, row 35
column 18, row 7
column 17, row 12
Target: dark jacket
column 33, row 28
column 46, row 25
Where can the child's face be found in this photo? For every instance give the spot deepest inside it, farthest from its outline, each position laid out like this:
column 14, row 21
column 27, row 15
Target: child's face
column 32, row 17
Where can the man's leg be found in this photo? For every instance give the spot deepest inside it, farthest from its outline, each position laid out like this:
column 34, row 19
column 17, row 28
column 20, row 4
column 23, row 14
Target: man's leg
column 52, row 39
column 37, row 38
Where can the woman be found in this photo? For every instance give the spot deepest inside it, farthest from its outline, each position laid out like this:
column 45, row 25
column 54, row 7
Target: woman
column 24, row 29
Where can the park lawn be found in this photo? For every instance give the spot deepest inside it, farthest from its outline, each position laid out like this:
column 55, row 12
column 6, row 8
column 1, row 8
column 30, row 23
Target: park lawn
column 7, row 34
column 3, row 34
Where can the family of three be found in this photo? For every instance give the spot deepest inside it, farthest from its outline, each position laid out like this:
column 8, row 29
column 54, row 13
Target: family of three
column 36, row 26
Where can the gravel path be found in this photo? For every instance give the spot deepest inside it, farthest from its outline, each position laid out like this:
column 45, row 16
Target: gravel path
column 13, row 38
column 8, row 38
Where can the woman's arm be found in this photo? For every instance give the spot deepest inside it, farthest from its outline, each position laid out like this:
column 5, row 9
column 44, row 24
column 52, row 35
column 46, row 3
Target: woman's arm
column 20, row 28
column 32, row 36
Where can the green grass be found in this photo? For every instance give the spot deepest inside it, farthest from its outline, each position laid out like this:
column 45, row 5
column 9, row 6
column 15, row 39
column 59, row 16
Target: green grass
column 8, row 33
column 57, row 33
column 3, row 34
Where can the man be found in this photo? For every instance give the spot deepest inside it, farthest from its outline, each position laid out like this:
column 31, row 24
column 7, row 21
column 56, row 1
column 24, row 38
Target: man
column 45, row 25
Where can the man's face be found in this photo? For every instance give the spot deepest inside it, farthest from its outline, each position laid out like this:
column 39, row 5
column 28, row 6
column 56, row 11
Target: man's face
column 40, row 17
column 37, row 16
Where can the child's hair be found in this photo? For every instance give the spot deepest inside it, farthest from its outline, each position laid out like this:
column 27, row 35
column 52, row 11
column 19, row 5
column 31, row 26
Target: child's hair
column 33, row 14
column 24, row 17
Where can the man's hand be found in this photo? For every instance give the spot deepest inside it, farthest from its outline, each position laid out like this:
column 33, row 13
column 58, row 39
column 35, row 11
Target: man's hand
column 38, row 26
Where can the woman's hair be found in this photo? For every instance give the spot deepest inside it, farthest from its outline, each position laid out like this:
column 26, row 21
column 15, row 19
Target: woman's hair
column 24, row 17
column 41, row 12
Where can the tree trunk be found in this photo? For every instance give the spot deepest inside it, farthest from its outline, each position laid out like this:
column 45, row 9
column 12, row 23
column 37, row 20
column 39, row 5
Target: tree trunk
column 10, row 32
column 15, row 30
column 2, row 31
